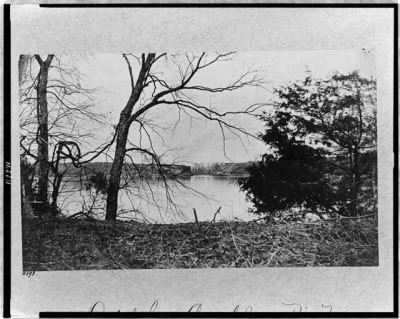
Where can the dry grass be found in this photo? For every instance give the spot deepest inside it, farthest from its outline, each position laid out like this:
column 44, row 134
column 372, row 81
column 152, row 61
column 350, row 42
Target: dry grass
column 64, row 244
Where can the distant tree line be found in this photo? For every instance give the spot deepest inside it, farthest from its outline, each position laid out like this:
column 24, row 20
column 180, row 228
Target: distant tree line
column 220, row 168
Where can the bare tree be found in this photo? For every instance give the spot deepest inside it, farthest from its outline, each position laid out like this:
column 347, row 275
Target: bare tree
column 43, row 130
column 26, row 169
column 52, row 101
column 149, row 89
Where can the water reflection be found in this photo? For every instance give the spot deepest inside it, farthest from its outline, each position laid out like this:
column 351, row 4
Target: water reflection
column 151, row 201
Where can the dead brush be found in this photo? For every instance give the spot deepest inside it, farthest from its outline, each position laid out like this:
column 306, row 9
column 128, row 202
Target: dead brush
column 77, row 244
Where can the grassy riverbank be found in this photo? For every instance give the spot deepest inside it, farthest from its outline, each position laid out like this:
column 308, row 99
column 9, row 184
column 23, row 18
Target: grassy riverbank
column 64, row 244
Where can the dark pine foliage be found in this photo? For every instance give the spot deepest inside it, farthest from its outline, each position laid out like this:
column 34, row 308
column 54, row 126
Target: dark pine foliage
column 321, row 141
column 293, row 177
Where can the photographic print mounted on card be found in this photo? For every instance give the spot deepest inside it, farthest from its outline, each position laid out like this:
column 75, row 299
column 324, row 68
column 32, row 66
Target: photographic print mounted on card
column 195, row 158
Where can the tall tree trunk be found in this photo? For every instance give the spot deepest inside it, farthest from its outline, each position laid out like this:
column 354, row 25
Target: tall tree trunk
column 22, row 62
column 125, row 120
column 57, row 179
column 374, row 182
column 116, row 170
column 356, row 182
column 43, row 130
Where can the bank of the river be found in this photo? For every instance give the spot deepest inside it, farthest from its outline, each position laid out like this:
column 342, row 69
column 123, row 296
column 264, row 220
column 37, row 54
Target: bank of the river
column 65, row 244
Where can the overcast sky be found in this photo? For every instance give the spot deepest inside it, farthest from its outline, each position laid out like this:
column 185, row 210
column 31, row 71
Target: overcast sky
column 200, row 141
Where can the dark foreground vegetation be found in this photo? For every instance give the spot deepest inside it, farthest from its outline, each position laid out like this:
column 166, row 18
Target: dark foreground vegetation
column 65, row 244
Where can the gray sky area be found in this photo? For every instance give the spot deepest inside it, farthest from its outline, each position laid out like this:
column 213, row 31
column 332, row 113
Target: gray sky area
column 198, row 140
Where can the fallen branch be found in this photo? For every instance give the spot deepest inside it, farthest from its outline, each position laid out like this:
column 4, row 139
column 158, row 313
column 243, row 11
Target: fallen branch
column 238, row 250
column 81, row 214
column 272, row 256
column 346, row 218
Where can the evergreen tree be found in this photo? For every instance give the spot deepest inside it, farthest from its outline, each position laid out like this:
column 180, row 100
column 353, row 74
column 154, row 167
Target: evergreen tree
column 322, row 134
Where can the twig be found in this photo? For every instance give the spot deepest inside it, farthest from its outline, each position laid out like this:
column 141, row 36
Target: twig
column 347, row 218
column 359, row 217
column 238, row 250
column 81, row 213
column 216, row 213
column 195, row 216
column 272, row 256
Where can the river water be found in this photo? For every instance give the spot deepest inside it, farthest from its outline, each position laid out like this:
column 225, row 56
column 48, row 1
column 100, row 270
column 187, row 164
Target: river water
column 151, row 201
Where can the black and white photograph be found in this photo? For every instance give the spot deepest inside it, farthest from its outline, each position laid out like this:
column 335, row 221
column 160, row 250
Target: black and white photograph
column 201, row 158
column 198, row 160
